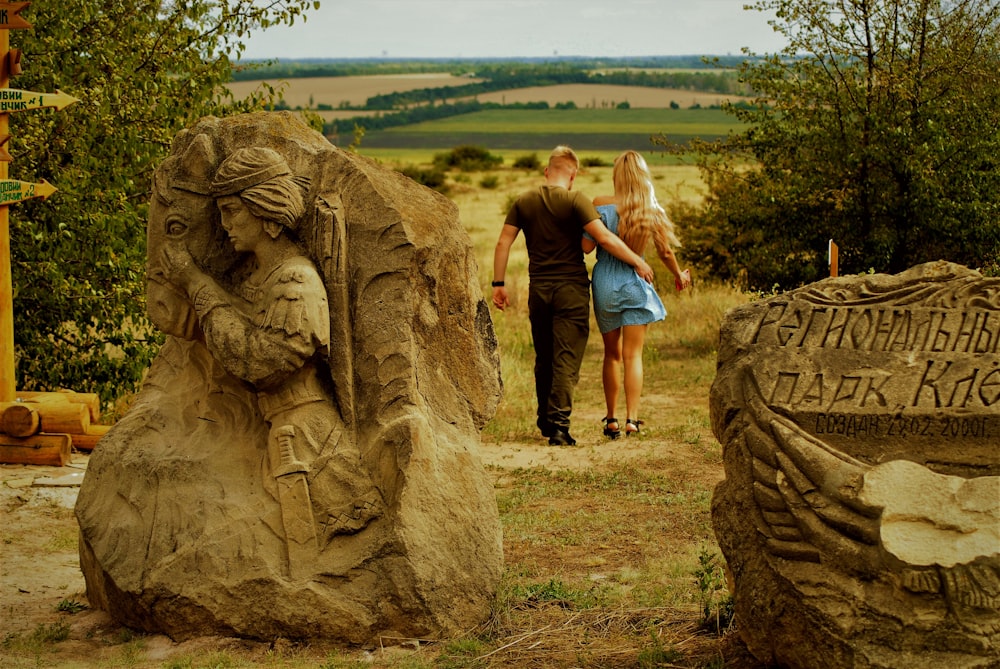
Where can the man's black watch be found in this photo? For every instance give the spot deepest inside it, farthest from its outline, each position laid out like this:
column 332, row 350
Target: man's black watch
column 498, row 284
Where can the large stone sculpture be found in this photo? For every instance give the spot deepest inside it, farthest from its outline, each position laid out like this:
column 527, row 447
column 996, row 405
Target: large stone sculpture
column 302, row 459
column 860, row 514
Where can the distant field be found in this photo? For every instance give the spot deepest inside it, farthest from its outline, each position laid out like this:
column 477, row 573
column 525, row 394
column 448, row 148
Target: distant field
column 597, row 129
column 594, row 125
column 308, row 92
column 604, row 96
column 688, row 121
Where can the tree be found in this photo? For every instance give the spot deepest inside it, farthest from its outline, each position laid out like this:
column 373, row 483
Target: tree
column 877, row 127
column 143, row 70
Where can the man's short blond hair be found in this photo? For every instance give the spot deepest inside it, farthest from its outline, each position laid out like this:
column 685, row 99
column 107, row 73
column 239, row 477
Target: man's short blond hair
column 564, row 158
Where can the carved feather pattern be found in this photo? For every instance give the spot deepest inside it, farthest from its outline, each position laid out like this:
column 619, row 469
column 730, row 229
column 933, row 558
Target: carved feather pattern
column 950, row 289
column 810, row 509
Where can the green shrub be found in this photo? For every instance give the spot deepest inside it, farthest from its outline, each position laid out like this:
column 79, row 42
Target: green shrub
column 717, row 605
column 467, row 158
column 527, row 162
column 432, row 178
column 593, row 161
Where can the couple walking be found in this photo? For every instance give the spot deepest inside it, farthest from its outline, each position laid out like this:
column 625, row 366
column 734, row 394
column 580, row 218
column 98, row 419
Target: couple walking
column 559, row 227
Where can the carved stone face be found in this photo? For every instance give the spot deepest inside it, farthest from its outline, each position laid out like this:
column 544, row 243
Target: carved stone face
column 244, row 228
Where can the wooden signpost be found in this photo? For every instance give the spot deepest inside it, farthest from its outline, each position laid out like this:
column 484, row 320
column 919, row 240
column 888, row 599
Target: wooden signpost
column 35, row 428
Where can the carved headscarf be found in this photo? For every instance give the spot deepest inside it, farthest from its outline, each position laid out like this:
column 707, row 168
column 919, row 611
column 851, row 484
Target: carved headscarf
column 263, row 180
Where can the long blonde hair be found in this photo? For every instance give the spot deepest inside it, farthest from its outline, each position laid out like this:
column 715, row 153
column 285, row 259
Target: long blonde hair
column 640, row 216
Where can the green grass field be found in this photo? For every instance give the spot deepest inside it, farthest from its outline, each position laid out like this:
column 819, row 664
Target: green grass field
column 597, row 129
column 401, row 157
column 589, row 121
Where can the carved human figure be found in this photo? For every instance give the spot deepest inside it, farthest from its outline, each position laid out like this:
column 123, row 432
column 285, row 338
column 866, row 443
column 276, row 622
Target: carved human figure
column 273, row 332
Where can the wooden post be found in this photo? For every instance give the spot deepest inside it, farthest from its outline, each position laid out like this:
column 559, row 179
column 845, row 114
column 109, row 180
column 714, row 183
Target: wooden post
column 14, row 191
column 8, row 383
column 38, row 431
column 832, row 257
column 9, row 19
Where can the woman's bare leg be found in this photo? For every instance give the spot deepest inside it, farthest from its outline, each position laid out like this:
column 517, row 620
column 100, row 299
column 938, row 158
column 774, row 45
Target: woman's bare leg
column 633, row 339
column 611, row 372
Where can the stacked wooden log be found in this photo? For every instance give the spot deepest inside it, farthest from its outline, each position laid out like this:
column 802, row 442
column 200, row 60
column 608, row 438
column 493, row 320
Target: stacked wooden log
column 42, row 428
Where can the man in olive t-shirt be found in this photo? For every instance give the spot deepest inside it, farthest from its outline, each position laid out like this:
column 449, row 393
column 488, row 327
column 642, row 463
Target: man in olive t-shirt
column 553, row 220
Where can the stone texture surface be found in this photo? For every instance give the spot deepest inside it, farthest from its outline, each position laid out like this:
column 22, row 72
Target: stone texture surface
column 182, row 530
column 860, row 513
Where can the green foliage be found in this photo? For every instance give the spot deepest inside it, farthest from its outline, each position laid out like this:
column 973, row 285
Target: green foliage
column 658, row 655
column 876, row 128
column 717, row 606
column 527, row 162
column 461, row 653
column 691, row 72
column 489, row 182
column 432, row 178
column 70, row 606
column 557, row 592
column 359, row 134
column 43, row 635
column 508, row 203
column 593, row 161
column 142, row 72
column 467, row 158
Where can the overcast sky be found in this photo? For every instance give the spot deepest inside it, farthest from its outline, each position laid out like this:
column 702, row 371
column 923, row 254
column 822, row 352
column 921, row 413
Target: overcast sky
column 519, row 28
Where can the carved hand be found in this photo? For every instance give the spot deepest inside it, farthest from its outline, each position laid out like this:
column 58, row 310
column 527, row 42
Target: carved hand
column 178, row 265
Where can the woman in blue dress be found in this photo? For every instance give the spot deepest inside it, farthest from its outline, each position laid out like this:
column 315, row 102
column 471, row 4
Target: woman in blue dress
column 624, row 304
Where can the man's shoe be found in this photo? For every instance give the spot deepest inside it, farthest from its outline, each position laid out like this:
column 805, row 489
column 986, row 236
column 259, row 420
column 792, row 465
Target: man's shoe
column 561, row 437
column 547, row 428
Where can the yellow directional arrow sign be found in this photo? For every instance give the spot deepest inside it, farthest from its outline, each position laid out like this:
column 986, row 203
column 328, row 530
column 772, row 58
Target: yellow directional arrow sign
column 14, row 100
column 9, row 18
column 16, row 191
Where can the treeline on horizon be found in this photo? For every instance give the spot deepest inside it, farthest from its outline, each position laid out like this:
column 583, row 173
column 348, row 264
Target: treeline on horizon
column 253, row 70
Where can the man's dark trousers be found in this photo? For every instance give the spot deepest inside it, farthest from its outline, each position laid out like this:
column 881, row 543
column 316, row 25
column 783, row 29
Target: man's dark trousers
column 559, row 312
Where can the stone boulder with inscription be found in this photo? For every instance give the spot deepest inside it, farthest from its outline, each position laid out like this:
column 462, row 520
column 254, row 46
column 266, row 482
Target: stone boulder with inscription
column 302, row 460
column 860, row 513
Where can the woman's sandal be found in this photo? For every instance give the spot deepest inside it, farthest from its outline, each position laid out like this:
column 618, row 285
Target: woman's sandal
column 632, row 427
column 609, row 432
